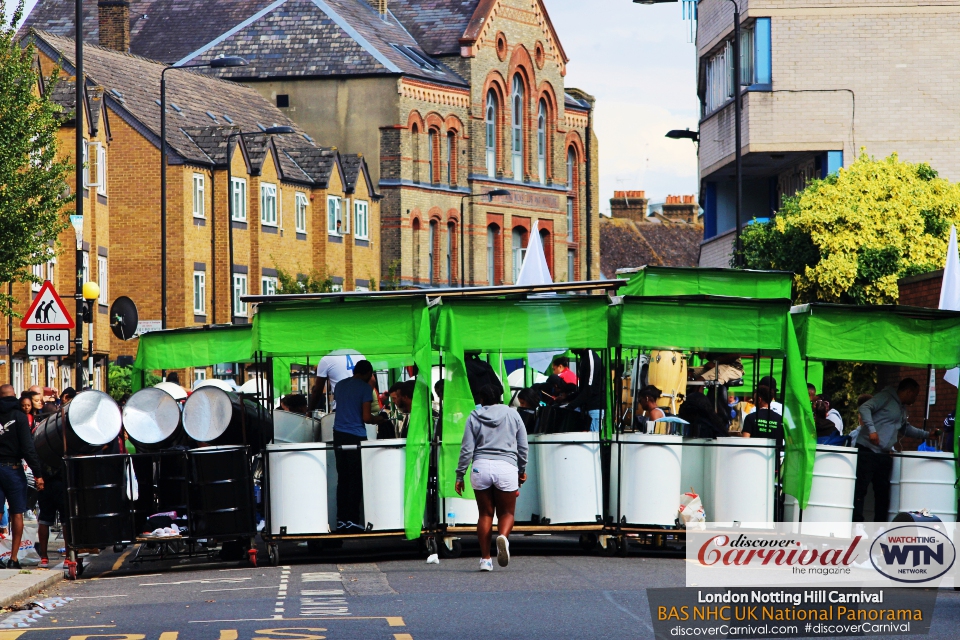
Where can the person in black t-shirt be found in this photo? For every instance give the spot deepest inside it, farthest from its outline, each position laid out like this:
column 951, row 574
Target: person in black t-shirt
column 764, row 422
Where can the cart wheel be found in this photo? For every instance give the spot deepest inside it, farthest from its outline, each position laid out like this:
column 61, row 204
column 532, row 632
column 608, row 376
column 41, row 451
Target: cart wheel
column 315, row 546
column 588, row 541
column 455, row 550
column 252, row 556
column 610, row 548
column 273, row 552
column 431, row 546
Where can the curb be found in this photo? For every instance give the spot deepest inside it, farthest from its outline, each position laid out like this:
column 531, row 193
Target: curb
column 25, row 586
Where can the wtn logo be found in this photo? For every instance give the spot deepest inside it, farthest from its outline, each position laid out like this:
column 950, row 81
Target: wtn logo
column 900, row 554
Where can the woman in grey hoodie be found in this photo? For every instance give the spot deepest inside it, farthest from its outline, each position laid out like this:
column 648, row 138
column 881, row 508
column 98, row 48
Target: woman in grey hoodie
column 495, row 441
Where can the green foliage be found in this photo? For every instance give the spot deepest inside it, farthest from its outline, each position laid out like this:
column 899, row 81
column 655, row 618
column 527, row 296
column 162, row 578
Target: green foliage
column 850, row 237
column 391, row 282
column 119, row 381
column 33, row 182
column 315, row 282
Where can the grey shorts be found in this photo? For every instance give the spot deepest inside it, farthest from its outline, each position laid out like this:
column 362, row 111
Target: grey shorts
column 498, row 474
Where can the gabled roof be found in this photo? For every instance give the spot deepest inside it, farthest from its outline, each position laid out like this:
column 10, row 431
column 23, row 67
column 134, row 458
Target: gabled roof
column 625, row 244
column 279, row 38
column 437, row 25
column 63, row 93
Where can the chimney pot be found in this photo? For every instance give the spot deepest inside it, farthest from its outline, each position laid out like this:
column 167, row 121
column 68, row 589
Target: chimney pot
column 382, row 8
column 114, row 18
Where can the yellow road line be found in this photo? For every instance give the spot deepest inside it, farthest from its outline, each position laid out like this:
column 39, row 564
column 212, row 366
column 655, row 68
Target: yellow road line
column 13, row 634
column 402, row 636
column 393, row 621
column 119, row 563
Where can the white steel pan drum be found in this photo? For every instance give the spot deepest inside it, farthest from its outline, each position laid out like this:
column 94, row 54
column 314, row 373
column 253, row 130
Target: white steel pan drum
column 668, row 372
column 213, row 416
column 152, row 420
column 87, row 423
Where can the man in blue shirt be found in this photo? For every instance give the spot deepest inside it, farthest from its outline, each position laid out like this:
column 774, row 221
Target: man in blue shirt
column 354, row 397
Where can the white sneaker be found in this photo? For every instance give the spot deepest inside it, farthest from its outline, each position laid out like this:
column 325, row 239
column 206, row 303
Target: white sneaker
column 486, row 564
column 503, row 551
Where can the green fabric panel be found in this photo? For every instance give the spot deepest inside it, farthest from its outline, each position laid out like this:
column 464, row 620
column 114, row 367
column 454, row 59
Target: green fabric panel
column 686, row 281
column 881, row 335
column 704, row 324
column 160, row 350
column 532, row 325
column 799, row 432
column 419, row 432
column 457, row 399
column 372, row 327
column 813, row 372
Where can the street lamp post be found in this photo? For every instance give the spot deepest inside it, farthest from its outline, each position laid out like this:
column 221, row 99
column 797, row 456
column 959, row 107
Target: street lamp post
column 216, row 63
column 78, row 119
column 737, row 109
column 239, row 134
column 490, row 194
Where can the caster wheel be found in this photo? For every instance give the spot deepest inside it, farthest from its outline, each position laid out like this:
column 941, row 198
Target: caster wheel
column 621, row 547
column 80, row 567
column 431, row 546
column 70, row 570
column 610, row 549
column 588, row 541
column 252, row 556
column 455, row 550
column 273, row 553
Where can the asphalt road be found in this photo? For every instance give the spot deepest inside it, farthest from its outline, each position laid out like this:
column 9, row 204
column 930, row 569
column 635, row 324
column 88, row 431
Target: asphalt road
column 374, row 590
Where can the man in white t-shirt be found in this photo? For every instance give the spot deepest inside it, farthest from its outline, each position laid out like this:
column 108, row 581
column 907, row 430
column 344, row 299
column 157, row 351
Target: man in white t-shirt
column 331, row 370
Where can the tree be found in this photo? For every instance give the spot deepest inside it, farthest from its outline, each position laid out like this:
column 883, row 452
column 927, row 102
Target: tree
column 850, row 237
column 315, row 282
column 119, row 381
column 33, row 181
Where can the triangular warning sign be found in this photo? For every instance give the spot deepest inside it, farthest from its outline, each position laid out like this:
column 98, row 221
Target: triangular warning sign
column 47, row 311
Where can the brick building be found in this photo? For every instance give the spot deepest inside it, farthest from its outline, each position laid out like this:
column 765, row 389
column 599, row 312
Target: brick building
column 453, row 99
column 821, row 79
column 296, row 207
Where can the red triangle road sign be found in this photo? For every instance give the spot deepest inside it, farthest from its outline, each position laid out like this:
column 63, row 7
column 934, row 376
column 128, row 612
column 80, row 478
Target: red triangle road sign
column 47, row 311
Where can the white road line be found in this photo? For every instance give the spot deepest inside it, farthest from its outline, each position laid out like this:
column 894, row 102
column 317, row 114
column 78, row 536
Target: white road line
column 319, row 602
column 281, row 592
column 236, row 589
column 211, row 581
column 91, row 597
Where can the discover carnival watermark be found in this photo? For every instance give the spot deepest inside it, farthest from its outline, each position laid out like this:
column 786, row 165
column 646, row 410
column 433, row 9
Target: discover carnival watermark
column 818, row 555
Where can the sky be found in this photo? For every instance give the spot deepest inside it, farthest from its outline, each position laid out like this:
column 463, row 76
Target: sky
column 639, row 64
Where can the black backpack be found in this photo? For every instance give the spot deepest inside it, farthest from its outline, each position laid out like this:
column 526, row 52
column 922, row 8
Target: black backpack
column 480, row 374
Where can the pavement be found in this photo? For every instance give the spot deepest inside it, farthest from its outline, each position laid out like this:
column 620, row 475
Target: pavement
column 374, row 589
column 17, row 585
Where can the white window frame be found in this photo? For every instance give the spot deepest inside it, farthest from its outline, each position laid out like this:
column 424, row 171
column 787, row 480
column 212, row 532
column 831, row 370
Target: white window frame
column 34, row 371
column 101, row 169
column 542, row 142
column 268, row 204
column 51, row 265
column 37, row 273
column 517, row 141
column 199, row 293
column 301, row 211
column 268, row 285
column 102, row 280
column 239, row 289
column 491, row 255
column 86, row 165
column 18, row 385
column 199, row 193
column 51, row 372
column 199, row 375
column 335, row 215
column 719, row 85
column 238, row 191
column 490, row 121
column 361, row 223
column 66, row 376
column 571, row 265
column 519, row 253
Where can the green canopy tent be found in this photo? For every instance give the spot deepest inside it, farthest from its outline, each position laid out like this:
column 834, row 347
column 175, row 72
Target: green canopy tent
column 692, row 281
column 508, row 324
column 883, row 334
column 731, row 325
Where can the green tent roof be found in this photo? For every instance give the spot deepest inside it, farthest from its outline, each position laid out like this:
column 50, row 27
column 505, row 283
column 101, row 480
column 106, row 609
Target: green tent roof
column 691, row 281
column 888, row 334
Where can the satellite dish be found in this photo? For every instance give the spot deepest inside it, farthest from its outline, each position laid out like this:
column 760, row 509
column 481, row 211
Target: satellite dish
column 124, row 318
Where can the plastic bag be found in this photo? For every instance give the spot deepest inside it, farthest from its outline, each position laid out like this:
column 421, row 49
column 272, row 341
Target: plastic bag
column 691, row 511
column 28, row 554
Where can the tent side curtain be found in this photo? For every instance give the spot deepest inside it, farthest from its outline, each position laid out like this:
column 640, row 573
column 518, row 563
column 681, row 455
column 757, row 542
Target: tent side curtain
column 879, row 334
column 703, row 323
column 686, row 281
column 191, row 348
column 539, row 324
column 384, row 331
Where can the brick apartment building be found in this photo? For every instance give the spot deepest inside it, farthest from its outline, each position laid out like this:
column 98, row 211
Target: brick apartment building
column 821, row 79
column 297, row 207
column 452, row 99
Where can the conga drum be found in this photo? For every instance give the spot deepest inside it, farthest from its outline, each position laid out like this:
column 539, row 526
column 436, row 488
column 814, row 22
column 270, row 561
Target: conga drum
column 668, row 372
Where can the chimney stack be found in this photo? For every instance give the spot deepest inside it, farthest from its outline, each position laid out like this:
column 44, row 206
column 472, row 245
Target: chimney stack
column 114, row 24
column 382, row 8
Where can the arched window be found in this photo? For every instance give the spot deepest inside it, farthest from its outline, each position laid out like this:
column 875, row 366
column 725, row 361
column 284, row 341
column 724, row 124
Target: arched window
column 547, row 249
column 433, row 153
column 432, row 249
column 517, row 147
column 416, row 250
column 451, row 246
column 519, row 250
column 574, row 189
column 493, row 231
column 542, row 143
column 451, row 158
column 491, row 126
column 415, row 151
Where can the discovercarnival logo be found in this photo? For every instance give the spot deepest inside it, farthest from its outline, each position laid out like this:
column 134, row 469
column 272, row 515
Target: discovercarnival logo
column 761, row 551
column 913, row 554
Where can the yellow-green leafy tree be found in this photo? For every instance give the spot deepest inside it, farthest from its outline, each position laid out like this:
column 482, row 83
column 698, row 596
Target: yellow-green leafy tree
column 850, row 237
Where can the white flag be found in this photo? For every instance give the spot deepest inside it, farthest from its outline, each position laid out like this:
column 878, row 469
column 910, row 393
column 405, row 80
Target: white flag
column 950, row 292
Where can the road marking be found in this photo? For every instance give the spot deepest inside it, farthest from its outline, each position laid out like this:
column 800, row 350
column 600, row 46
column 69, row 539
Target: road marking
column 13, row 634
column 365, row 579
column 210, row 581
column 392, row 621
column 236, row 589
column 323, row 603
column 119, row 563
column 402, row 636
column 321, row 576
column 92, row 597
column 281, row 592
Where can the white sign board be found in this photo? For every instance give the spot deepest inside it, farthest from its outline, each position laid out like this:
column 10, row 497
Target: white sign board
column 146, row 326
column 48, row 342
